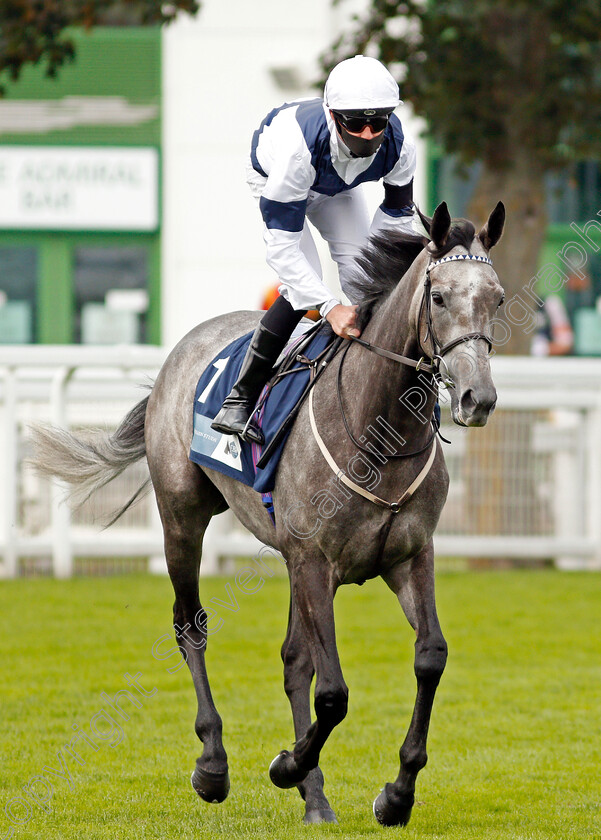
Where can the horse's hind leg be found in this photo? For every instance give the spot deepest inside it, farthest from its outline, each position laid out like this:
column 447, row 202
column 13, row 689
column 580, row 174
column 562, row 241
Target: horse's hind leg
column 313, row 591
column 186, row 505
column 413, row 583
column 298, row 673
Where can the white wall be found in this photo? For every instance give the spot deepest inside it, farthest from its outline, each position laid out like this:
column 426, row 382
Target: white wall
column 217, row 87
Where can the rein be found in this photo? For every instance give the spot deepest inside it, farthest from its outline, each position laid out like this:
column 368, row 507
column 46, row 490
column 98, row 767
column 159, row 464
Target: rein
column 396, row 357
column 433, row 369
column 345, row 421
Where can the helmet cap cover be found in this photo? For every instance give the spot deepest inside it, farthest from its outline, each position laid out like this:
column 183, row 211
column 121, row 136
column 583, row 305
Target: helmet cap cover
column 361, row 83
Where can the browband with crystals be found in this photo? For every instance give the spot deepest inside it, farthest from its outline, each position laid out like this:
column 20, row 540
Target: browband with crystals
column 451, row 257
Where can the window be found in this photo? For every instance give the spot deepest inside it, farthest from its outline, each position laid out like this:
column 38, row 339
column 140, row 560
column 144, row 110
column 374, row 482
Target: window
column 18, row 281
column 111, row 295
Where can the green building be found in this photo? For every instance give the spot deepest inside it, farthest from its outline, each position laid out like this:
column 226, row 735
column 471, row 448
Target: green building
column 80, row 195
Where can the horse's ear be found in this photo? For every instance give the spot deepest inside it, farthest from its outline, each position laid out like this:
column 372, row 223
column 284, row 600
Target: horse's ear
column 492, row 230
column 441, row 225
column 425, row 220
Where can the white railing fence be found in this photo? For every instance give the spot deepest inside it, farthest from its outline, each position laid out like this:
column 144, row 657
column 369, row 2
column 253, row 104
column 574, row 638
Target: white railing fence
column 75, row 387
column 527, row 486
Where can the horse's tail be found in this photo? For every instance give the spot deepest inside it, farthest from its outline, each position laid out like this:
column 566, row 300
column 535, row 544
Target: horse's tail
column 89, row 460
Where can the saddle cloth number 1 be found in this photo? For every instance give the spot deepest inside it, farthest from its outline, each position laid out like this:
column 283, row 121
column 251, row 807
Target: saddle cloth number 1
column 220, row 364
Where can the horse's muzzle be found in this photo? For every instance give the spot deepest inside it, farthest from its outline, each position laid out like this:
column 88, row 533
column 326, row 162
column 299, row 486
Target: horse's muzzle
column 474, row 406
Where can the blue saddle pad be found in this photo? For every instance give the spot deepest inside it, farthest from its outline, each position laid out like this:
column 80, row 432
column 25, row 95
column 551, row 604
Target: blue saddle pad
column 228, row 454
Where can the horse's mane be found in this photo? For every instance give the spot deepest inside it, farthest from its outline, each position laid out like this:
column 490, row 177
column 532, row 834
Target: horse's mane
column 383, row 261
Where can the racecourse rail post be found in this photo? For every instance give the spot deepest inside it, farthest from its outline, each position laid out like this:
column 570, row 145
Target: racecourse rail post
column 62, row 554
column 11, row 460
column 593, row 480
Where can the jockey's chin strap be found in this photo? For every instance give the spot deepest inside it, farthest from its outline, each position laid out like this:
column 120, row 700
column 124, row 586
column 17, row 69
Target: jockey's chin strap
column 430, row 362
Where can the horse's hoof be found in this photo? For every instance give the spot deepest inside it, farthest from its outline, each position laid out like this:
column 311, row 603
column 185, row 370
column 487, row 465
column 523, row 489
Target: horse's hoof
column 212, row 787
column 391, row 808
column 320, row 815
column 284, row 772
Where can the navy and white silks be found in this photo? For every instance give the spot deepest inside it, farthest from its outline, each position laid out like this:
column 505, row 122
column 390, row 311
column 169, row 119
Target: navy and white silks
column 300, row 169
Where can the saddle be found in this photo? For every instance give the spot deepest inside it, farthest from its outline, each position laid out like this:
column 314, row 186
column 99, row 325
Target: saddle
column 295, row 373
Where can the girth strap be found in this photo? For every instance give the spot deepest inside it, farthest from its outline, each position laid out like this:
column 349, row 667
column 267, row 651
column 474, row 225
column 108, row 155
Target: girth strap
column 392, row 506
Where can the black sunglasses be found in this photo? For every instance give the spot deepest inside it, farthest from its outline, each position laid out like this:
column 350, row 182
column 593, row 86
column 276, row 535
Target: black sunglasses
column 356, row 124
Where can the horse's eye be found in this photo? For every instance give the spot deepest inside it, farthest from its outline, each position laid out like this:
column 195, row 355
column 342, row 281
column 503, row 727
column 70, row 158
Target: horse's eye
column 438, row 298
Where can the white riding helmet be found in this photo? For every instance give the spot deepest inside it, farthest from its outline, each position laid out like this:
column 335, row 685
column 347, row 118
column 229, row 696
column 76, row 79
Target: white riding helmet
column 359, row 83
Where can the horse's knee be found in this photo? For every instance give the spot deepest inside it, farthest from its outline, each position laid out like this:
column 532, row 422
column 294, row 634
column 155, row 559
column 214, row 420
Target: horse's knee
column 430, row 659
column 190, row 634
column 331, row 705
column 188, row 615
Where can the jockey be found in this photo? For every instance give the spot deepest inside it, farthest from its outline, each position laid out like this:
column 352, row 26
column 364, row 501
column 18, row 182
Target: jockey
column 308, row 160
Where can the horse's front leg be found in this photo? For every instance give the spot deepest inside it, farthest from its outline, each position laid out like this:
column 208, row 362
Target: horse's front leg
column 413, row 583
column 313, row 592
column 298, row 673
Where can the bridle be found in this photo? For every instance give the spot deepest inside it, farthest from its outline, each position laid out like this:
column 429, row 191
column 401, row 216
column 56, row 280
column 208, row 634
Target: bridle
column 435, row 358
column 425, row 309
column 440, row 350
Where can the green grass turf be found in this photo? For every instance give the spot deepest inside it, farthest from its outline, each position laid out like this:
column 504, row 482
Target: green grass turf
column 515, row 741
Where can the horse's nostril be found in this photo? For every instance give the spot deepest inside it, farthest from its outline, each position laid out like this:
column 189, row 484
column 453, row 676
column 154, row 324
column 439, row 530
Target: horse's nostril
column 477, row 404
column 468, row 403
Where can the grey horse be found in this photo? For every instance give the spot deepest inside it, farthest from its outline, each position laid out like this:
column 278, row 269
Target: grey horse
column 366, row 428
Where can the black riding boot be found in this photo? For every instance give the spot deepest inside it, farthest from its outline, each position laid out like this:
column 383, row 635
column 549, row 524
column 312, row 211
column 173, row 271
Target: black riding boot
column 264, row 349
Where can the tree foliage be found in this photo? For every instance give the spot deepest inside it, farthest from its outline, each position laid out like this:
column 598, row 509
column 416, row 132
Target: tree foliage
column 493, row 76
column 33, row 31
